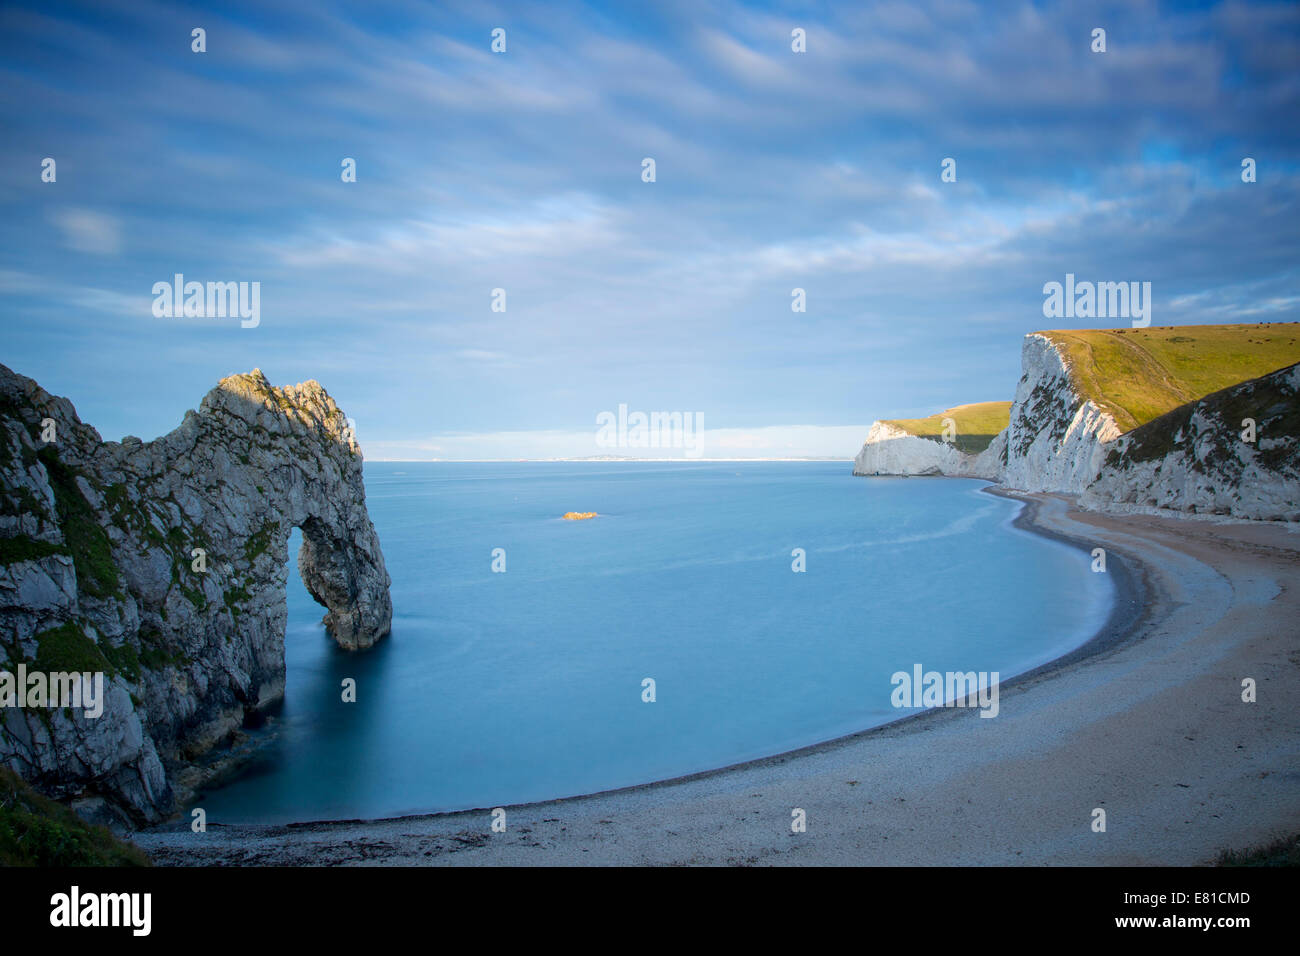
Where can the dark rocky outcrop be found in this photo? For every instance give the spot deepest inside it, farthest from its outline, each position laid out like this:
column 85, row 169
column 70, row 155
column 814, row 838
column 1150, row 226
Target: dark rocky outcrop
column 100, row 569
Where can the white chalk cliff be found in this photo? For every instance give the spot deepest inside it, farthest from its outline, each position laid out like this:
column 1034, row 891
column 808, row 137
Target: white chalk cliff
column 1055, row 440
column 99, row 547
column 1059, row 441
column 1199, row 458
column 890, row 450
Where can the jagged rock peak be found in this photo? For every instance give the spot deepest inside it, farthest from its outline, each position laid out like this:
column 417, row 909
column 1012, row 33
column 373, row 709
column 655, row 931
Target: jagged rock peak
column 164, row 563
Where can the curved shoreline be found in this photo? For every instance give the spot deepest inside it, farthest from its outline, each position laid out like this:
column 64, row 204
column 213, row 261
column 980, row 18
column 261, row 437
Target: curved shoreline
column 1143, row 602
column 1136, row 590
column 1127, row 608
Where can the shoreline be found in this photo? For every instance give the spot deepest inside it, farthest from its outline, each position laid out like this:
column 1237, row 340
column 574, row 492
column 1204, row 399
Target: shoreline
column 1127, row 608
column 1135, row 589
column 1143, row 600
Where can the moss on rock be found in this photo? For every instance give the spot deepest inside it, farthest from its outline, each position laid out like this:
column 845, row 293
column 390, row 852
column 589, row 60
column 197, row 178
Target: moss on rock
column 92, row 553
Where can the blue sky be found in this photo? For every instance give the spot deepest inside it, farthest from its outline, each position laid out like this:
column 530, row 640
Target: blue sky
column 522, row 171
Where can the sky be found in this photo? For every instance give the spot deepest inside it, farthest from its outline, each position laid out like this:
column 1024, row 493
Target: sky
column 522, row 171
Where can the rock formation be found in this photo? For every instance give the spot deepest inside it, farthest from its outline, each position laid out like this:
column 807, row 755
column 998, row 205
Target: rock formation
column 1055, row 439
column 1200, row 458
column 890, row 450
column 164, row 565
column 1192, row 459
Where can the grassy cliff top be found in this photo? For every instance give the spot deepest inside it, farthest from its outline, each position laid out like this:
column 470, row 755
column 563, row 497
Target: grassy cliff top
column 1140, row 374
column 977, row 424
column 36, row 831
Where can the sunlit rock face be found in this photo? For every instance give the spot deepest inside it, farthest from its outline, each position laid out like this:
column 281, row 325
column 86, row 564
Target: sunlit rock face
column 1056, row 440
column 1200, row 458
column 889, row 450
column 164, row 565
column 1235, row 452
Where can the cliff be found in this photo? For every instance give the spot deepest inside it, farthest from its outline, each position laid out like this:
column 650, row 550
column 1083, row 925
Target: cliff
column 163, row 565
column 1054, row 441
column 1199, row 458
column 1136, row 418
column 955, row 442
column 1081, row 389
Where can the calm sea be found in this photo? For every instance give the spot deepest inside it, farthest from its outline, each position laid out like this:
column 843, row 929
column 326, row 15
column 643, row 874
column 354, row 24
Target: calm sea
column 502, row 688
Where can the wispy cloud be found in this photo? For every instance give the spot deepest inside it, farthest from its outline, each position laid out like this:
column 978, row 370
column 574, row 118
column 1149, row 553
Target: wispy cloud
column 522, row 171
column 87, row 231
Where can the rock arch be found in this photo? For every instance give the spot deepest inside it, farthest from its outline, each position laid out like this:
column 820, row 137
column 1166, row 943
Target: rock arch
column 167, row 560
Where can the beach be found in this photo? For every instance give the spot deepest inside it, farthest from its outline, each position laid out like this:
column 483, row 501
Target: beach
column 1145, row 722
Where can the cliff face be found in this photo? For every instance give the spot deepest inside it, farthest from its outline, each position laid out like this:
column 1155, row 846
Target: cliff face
column 889, row 450
column 163, row 564
column 1191, row 459
column 1055, row 441
column 1197, row 458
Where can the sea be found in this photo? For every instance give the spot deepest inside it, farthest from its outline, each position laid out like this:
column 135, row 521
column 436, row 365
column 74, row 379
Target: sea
column 713, row 613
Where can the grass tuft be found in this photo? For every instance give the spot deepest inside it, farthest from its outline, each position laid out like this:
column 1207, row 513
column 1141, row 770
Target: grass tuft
column 92, row 553
column 37, row 831
column 1284, row 851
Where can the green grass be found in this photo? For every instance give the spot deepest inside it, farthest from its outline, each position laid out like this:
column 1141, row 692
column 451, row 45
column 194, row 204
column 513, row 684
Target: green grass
column 1272, row 404
column 1281, row 852
column 195, row 596
column 67, row 648
column 123, row 660
column 22, row 548
column 20, row 501
column 132, row 518
column 86, row 539
column 233, row 598
column 37, row 831
column 977, row 424
column 1140, row 374
column 257, row 543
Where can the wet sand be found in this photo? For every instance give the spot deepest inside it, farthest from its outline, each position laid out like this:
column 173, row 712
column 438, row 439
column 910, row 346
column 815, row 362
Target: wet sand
column 1146, row 722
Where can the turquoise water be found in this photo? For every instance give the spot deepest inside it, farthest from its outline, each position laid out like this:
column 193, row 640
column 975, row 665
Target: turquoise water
column 502, row 688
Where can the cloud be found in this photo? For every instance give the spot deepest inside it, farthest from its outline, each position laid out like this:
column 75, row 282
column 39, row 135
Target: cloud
column 87, row 231
column 522, row 171
column 552, row 226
